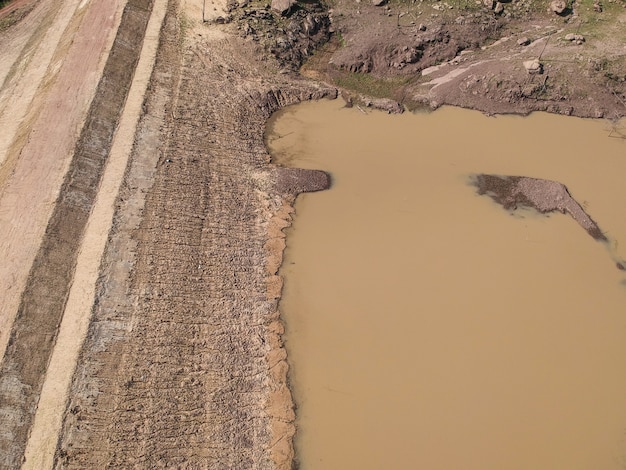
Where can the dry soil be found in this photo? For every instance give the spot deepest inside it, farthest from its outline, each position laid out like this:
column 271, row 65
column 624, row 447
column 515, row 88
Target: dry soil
column 141, row 219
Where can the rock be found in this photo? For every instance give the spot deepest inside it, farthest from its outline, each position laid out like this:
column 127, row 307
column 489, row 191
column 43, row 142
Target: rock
column 378, row 3
column 422, row 27
column 533, row 66
column 384, row 104
column 499, row 8
column 489, row 3
column 309, row 25
column 597, row 7
column 523, row 41
column 558, row 6
column 577, row 38
column 223, row 19
column 282, row 6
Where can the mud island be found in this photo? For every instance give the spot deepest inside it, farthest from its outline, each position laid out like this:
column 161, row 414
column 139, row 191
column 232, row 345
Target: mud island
column 536, row 193
column 141, row 220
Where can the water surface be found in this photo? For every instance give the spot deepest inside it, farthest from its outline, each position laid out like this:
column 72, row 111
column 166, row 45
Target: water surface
column 428, row 328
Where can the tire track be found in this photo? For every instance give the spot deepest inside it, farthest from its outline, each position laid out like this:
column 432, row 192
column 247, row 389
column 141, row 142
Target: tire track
column 183, row 366
column 36, row 324
column 54, row 395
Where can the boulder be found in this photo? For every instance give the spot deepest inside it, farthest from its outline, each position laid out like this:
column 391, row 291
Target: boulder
column 523, row 41
column 282, row 6
column 533, row 66
column 558, row 6
column 499, row 8
column 378, row 3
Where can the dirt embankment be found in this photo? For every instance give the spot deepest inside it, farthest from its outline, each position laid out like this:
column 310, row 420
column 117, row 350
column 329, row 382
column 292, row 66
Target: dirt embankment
column 183, row 363
column 183, row 351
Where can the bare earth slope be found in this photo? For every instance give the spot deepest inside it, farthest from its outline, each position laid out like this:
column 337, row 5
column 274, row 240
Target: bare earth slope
column 472, row 54
column 185, row 325
column 177, row 365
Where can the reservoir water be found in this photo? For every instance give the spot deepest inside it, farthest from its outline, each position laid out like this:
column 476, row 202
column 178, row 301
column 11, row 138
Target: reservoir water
column 427, row 327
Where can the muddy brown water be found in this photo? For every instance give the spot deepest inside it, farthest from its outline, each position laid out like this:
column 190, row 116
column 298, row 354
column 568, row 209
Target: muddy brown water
column 427, row 327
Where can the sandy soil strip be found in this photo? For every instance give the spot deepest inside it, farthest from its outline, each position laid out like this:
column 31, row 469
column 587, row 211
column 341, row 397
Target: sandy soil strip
column 27, row 198
column 15, row 38
column 12, row 6
column 32, row 67
column 42, row 443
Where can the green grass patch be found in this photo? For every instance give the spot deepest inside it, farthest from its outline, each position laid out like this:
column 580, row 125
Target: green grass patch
column 601, row 25
column 369, row 85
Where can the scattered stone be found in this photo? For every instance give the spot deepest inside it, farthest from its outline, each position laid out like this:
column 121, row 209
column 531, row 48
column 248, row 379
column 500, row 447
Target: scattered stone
column 577, row 38
column 282, row 6
column 223, row 19
column 499, row 8
column 523, row 41
column 597, row 7
column 384, row 104
column 533, row 66
column 558, row 6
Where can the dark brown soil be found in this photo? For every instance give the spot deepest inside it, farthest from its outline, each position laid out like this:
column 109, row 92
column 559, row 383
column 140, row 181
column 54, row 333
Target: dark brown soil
column 542, row 195
column 390, row 50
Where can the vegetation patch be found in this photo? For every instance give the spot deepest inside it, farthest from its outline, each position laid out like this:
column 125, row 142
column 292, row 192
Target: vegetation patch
column 368, row 84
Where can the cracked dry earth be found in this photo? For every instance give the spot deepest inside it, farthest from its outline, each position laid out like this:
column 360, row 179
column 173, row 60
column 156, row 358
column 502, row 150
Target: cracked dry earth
column 182, row 365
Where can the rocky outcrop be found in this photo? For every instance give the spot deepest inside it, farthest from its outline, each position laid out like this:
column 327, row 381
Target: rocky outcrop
column 558, row 6
column 290, row 31
column 282, row 6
